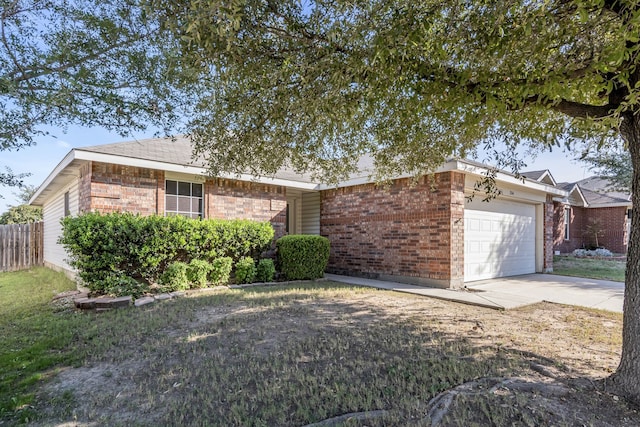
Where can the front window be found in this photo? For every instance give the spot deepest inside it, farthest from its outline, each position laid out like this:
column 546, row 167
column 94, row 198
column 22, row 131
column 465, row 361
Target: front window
column 183, row 198
column 567, row 222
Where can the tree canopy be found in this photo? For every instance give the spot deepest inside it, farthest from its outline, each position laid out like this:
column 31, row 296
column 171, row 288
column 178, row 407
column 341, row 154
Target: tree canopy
column 615, row 164
column 317, row 84
column 85, row 62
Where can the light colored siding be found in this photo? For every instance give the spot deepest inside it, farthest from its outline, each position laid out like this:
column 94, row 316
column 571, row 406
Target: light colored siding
column 294, row 199
column 310, row 213
column 53, row 212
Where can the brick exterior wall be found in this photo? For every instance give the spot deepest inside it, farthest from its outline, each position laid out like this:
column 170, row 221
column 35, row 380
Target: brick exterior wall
column 109, row 188
column 84, row 188
column 612, row 224
column 225, row 198
column 116, row 188
column 410, row 232
column 549, row 228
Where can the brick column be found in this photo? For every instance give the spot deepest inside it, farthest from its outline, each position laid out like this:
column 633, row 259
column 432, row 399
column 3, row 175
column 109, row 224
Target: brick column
column 548, row 235
column 457, row 230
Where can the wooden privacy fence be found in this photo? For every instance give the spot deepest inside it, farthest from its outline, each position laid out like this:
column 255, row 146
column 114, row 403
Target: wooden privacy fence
column 21, row 246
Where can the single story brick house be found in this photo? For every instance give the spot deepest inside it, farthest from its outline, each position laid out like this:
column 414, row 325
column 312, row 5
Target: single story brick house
column 594, row 214
column 423, row 232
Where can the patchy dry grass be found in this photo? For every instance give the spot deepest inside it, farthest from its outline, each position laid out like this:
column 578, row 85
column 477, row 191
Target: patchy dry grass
column 290, row 356
column 568, row 265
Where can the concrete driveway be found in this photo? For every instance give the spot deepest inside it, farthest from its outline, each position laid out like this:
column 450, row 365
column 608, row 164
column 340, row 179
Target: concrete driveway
column 511, row 292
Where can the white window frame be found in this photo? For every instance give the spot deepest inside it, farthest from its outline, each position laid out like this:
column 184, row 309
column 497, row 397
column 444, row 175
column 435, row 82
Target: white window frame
column 190, row 213
column 567, row 222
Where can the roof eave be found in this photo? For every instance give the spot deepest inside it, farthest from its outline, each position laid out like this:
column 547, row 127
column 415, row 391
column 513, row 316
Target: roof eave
column 64, row 163
column 475, row 169
column 77, row 154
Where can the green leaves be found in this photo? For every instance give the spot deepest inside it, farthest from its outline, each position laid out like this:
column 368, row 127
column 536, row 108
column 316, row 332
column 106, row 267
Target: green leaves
column 104, row 247
column 411, row 84
column 90, row 63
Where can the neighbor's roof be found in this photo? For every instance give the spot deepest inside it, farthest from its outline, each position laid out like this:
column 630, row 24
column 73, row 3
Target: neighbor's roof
column 604, row 185
column 535, row 175
column 597, row 192
column 540, row 176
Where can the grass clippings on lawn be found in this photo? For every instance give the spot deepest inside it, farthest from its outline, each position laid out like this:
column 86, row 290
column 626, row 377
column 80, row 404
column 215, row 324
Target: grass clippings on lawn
column 292, row 356
column 604, row 269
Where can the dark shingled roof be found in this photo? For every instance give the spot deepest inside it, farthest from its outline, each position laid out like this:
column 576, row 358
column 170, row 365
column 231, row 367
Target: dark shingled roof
column 163, row 150
column 176, row 151
column 597, row 190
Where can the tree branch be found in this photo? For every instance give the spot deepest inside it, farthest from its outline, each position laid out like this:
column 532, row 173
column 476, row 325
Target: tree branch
column 583, row 111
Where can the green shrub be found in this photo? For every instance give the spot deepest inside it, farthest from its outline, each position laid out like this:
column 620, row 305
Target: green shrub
column 118, row 284
column 266, row 270
column 245, row 270
column 302, row 256
column 221, row 270
column 175, row 277
column 141, row 247
column 197, row 272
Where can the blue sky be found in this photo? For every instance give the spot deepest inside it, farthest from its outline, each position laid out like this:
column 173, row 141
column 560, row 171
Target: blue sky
column 39, row 160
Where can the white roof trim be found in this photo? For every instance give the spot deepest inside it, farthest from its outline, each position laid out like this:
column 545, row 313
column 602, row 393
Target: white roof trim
column 461, row 166
column 475, row 169
column 547, row 173
column 584, row 200
column 54, row 173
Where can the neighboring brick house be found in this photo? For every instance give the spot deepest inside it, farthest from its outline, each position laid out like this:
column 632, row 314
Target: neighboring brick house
column 593, row 214
column 421, row 231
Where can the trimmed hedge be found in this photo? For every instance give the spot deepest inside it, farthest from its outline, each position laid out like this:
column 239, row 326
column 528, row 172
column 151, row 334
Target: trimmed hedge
column 302, row 256
column 141, row 247
column 221, row 270
column 175, row 277
column 245, row 270
column 266, row 270
column 197, row 272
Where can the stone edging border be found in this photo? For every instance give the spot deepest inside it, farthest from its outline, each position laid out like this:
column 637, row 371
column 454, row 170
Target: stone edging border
column 82, row 301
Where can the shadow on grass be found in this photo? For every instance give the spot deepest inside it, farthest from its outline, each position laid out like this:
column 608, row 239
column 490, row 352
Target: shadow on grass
column 277, row 356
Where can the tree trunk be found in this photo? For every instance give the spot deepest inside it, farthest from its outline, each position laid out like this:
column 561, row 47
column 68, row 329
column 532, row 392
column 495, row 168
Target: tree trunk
column 626, row 379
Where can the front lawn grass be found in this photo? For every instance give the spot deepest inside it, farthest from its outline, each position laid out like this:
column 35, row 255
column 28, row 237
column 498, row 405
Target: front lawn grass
column 33, row 338
column 282, row 356
column 568, row 265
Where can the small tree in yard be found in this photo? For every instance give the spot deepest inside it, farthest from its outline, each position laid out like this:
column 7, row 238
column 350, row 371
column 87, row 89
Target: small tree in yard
column 415, row 83
column 594, row 230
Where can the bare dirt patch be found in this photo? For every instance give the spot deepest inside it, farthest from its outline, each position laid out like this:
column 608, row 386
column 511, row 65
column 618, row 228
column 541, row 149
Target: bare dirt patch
column 300, row 356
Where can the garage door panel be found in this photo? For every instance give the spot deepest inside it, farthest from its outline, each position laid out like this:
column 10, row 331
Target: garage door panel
column 499, row 240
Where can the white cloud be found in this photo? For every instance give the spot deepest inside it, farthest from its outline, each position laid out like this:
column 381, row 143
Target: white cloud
column 63, row 144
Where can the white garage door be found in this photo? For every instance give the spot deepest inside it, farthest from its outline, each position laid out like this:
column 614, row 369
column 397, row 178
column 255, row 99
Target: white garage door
column 499, row 239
